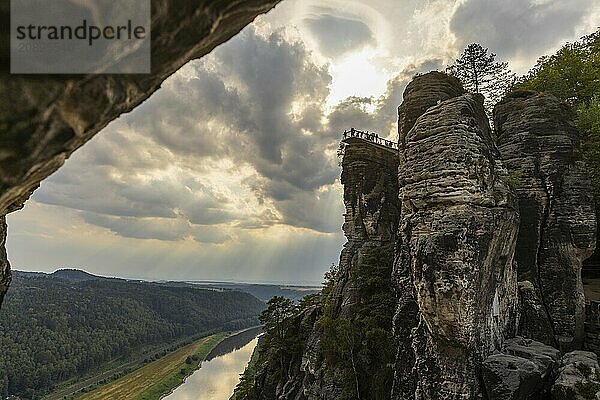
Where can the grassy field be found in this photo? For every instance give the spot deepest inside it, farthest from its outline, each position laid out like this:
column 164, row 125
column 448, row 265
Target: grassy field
column 157, row 378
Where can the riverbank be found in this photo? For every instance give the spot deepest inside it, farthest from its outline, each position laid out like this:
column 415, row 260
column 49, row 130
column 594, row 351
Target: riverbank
column 249, row 373
column 160, row 377
column 221, row 370
column 117, row 368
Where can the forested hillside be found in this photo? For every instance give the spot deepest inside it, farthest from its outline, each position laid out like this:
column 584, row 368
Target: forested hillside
column 54, row 329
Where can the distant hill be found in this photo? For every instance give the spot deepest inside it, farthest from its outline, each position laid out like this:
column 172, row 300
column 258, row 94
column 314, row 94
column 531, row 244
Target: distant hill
column 262, row 291
column 259, row 290
column 60, row 326
column 74, row 275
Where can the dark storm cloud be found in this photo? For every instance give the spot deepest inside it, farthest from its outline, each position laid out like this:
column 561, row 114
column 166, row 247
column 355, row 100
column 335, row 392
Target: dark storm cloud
column 338, row 35
column 149, row 228
column 260, row 101
column 514, row 27
column 238, row 105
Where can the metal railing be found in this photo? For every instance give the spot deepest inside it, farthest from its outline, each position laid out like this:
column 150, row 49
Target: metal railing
column 369, row 137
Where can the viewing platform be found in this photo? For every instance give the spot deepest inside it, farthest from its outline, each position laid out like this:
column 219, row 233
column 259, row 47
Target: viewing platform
column 370, row 137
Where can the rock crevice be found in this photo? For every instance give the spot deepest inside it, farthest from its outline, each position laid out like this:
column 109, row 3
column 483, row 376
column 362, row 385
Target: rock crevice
column 539, row 144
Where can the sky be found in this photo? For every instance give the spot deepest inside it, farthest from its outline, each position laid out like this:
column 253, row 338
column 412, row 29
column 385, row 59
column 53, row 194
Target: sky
column 229, row 171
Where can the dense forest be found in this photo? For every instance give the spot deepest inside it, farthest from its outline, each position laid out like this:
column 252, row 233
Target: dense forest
column 54, row 328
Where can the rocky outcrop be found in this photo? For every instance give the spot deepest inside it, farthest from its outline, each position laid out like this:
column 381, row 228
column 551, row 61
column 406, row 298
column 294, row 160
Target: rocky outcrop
column 369, row 176
column 423, row 92
column 579, row 377
column 544, row 356
column 507, row 377
column 458, row 230
column 43, row 119
column 456, row 225
column 524, row 371
column 539, row 144
column 5, row 276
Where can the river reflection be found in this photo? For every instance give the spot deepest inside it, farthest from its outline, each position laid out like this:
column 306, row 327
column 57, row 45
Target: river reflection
column 217, row 378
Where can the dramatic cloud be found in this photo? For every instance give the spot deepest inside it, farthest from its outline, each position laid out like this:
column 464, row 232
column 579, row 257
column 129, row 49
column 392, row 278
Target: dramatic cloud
column 339, row 35
column 517, row 29
column 230, row 171
column 157, row 228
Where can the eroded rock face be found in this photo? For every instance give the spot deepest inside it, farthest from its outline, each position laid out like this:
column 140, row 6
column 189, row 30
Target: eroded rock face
column 369, row 176
column 458, row 229
column 372, row 212
column 524, row 371
column 579, row 377
column 5, row 276
column 539, row 144
column 43, row 119
column 423, row 92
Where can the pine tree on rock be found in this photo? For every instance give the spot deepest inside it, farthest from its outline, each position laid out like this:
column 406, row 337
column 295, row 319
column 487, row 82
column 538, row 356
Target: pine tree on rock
column 481, row 73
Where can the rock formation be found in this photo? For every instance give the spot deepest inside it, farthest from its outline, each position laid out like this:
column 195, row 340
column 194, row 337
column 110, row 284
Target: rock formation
column 578, row 378
column 422, row 93
column 463, row 222
column 458, row 229
column 524, row 371
column 539, row 144
column 5, row 276
column 369, row 176
column 44, row 119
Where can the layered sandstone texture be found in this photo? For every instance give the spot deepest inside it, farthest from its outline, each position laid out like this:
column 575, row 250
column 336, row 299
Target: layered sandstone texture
column 372, row 212
column 5, row 276
column 43, row 119
column 540, row 145
column 369, row 176
column 458, row 231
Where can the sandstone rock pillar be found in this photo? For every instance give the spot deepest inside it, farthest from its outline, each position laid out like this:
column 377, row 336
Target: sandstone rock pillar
column 539, row 144
column 5, row 276
column 458, row 230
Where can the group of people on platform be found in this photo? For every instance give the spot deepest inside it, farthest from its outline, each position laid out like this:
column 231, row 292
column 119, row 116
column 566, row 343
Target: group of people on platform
column 372, row 137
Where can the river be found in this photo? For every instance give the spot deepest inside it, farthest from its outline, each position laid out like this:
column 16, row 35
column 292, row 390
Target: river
column 220, row 372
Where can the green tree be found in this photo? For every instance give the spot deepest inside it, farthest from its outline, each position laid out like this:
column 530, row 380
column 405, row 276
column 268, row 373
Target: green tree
column 278, row 310
column 571, row 74
column 275, row 319
column 479, row 72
